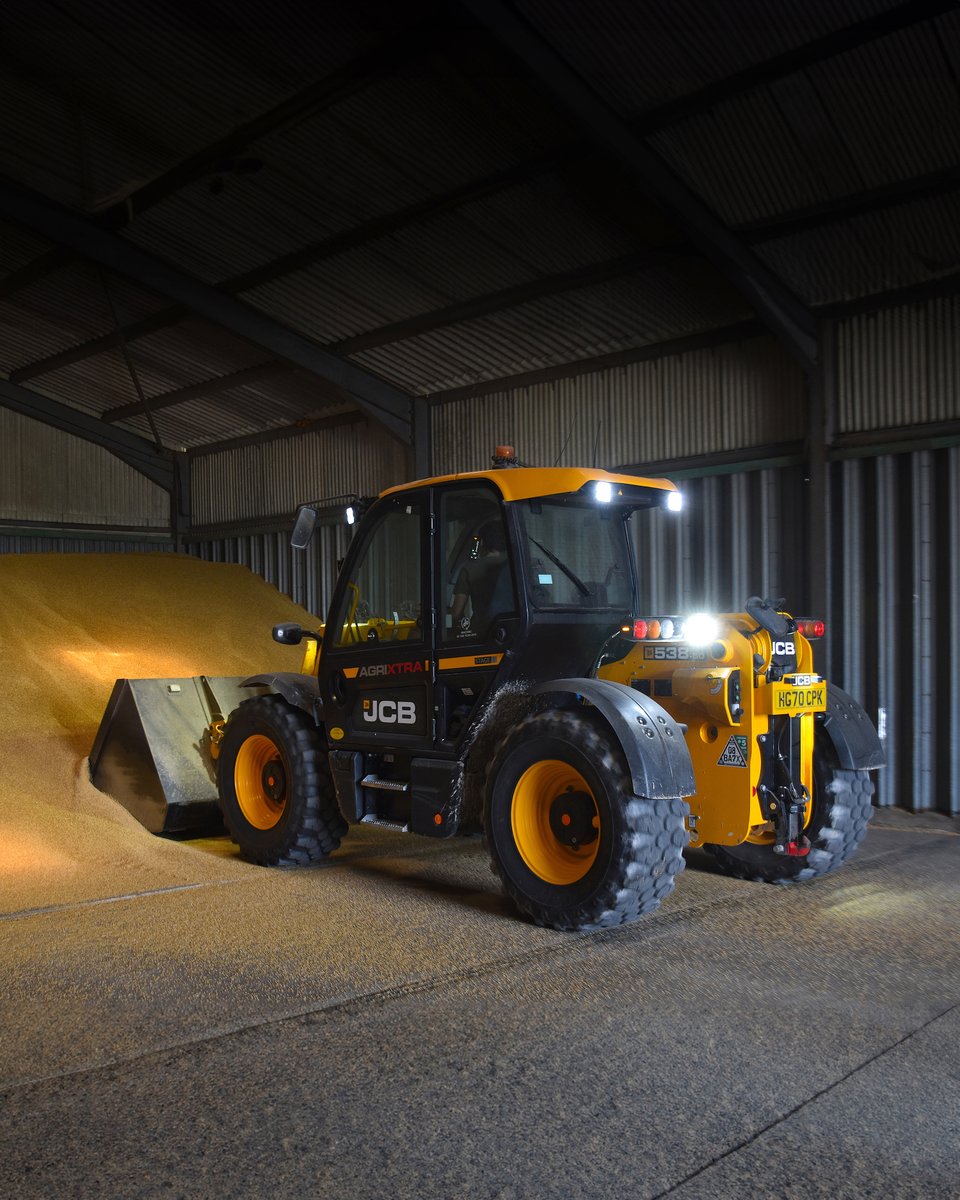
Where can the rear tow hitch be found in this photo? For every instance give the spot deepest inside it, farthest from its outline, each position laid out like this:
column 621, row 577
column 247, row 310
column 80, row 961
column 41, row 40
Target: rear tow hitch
column 787, row 810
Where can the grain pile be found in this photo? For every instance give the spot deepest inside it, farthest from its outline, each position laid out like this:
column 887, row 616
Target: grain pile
column 69, row 626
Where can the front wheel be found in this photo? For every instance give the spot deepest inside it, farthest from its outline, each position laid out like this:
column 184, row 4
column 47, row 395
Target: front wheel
column 276, row 793
column 571, row 843
column 842, row 806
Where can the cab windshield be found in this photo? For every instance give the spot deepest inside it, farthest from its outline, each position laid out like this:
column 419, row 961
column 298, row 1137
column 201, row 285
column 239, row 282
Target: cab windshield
column 576, row 556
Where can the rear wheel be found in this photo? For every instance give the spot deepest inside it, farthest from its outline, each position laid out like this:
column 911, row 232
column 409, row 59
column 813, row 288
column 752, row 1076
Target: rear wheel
column 842, row 806
column 275, row 789
column 573, row 846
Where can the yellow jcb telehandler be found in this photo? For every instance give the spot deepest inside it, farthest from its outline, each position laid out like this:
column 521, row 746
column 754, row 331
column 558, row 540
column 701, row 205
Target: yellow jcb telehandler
column 484, row 667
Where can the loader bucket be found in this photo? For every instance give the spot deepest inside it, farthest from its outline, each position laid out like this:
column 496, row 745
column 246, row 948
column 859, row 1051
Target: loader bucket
column 152, row 750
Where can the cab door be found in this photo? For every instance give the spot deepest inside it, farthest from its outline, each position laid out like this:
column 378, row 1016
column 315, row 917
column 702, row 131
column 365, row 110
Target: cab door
column 375, row 668
column 479, row 615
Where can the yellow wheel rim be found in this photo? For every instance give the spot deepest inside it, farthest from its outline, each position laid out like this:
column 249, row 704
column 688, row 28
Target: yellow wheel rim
column 555, row 822
column 260, row 781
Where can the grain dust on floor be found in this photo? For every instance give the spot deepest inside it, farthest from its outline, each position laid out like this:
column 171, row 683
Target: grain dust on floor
column 69, row 626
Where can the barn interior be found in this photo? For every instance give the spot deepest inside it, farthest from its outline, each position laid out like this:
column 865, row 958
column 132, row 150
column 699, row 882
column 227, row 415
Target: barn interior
column 250, row 259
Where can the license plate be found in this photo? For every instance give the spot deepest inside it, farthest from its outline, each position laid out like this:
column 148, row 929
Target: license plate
column 790, row 699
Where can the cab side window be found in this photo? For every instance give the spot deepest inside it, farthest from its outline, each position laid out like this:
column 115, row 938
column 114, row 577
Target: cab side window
column 383, row 601
column 477, row 577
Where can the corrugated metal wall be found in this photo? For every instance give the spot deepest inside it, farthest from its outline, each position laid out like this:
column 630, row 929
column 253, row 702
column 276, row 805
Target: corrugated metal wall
column 900, row 366
column 48, row 475
column 307, row 576
column 739, row 535
column 894, row 540
column 705, row 401
column 894, row 586
column 275, row 476
column 895, row 614
column 14, row 543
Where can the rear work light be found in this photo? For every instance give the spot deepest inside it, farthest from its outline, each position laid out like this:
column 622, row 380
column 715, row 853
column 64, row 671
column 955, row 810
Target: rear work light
column 645, row 629
column 810, row 627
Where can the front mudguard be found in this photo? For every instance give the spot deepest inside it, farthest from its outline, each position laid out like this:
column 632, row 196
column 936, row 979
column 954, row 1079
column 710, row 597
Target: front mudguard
column 850, row 731
column 652, row 741
column 299, row 691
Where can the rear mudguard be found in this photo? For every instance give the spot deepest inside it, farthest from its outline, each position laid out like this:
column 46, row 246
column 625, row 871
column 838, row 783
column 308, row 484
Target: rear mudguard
column 652, row 741
column 850, row 731
column 300, row 691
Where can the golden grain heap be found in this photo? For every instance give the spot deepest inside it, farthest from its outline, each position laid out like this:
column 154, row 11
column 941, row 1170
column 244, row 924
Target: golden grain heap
column 69, row 626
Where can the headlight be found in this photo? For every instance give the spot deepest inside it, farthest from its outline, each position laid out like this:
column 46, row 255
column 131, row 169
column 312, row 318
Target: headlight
column 701, row 629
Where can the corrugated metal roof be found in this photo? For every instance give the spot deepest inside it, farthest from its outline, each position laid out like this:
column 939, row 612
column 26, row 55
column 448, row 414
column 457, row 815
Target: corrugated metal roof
column 95, row 385
column 894, row 103
column 634, row 311
column 873, row 253
column 103, row 98
column 639, row 56
column 190, row 352
column 65, row 309
column 885, row 111
column 335, row 170
column 17, row 248
column 92, row 385
column 238, row 412
column 185, row 79
column 481, row 249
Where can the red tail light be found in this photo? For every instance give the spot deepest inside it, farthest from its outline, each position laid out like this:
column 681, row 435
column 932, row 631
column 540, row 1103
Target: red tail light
column 811, row 628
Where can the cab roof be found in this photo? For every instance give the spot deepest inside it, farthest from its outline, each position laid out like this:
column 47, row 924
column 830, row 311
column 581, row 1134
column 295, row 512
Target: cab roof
column 529, row 483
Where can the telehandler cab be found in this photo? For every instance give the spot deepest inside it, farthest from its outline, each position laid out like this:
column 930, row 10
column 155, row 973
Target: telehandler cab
column 483, row 669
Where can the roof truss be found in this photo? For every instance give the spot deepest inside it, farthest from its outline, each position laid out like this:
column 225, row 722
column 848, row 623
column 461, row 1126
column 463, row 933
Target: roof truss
column 379, row 399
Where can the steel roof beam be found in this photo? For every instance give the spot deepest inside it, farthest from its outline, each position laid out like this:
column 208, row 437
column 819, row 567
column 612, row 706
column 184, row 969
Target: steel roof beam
column 208, row 387
column 383, row 60
column 387, row 404
column 511, row 297
column 368, row 68
column 337, row 243
column 280, row 433
column 725, row 335
column 801, row 220
column 783, row 312
column 798, row 221
column 383, row 335
column 856, row 204
column 30, row 272
column 135, row 451
column 841, row 41
column 99, row 345
column 378, row 227
column 914, row 293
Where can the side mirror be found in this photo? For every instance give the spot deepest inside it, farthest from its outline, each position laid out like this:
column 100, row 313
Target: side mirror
column 288, row 634
column 303, row 528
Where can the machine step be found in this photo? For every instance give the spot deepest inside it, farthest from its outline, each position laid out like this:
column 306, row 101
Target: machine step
column 384, row 785
column 384, row 823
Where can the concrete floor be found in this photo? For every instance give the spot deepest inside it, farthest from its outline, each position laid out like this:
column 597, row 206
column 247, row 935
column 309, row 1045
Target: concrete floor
column 383, row 1026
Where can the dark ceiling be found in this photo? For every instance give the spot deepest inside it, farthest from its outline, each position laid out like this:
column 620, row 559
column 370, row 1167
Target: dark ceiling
column 225, row 220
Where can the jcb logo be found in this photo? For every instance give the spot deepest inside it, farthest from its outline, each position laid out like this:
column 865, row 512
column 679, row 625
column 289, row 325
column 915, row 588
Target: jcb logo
column 390, row 712
column 784, row 648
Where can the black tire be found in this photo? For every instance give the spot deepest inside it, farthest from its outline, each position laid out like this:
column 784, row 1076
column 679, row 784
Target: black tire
column 842, row 807
column 276, row 793
column 573, row 846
